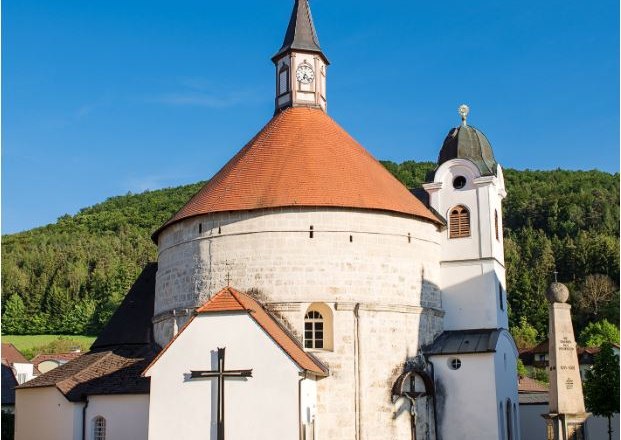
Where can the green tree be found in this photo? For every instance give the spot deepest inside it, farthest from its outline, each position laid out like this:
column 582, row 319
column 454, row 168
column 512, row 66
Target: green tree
column 601, row 388
column 597, row 333
column 524, row 334
column 13, row 319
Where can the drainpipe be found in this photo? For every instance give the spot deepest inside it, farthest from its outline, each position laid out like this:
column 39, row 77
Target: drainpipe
column 435, row 412
column 300, row 429
column 84, row 417
column 357, row 403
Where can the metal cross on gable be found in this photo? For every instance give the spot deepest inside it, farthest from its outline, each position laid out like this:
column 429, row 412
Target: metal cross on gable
column 220, row 374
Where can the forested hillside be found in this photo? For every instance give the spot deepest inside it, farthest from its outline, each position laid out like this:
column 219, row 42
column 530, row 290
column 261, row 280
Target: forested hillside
column 70, row 276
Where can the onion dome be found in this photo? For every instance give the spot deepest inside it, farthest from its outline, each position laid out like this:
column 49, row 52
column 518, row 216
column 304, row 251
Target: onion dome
column 557, row 293
column 466, row 142
column 302, row 157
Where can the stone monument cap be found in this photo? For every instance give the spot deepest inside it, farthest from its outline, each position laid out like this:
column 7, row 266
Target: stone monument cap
column 557, row 292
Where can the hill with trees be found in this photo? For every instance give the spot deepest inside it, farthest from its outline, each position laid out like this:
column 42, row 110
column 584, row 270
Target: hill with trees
column 69, row 277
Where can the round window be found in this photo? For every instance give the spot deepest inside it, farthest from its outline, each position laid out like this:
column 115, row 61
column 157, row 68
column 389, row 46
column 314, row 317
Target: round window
column 459, row 182
column 454, row 363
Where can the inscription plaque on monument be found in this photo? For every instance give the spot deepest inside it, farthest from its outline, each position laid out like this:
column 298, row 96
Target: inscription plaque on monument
column 567, row 413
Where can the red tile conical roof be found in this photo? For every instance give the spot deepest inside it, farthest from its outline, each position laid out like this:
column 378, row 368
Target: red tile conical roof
column 302, row 157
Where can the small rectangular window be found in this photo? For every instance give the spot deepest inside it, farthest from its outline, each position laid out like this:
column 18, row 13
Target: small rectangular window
column 500, row 297
column 283, row 81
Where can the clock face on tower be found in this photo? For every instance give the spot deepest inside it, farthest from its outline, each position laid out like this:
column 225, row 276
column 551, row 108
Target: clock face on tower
column 305, row 74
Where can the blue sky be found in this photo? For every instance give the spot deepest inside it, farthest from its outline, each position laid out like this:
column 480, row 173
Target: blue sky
column 105, row 97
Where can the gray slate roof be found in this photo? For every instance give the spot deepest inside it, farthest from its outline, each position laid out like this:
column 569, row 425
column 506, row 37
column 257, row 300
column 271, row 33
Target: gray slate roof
column 131, row 323
column 533, row 398
column 466, row 142
column 465, row 341
column 301, row 34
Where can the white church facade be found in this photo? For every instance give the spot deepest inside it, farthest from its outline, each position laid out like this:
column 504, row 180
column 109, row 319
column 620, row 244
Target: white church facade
column 305, row 293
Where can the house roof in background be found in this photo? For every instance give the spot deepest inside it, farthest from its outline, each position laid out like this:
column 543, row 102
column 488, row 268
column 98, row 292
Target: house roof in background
column 60, row 357
column 533, row 398
column 529, row 385
column 11, row 355
column 114, row 371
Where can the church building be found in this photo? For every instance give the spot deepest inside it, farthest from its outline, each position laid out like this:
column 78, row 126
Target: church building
column 305, row 293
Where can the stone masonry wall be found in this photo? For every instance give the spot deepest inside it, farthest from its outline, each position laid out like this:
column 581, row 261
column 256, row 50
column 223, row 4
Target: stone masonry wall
column 377, row 272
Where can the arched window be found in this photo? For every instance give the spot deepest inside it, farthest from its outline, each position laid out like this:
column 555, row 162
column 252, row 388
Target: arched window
column 500, row 297
column 99, row 428
column 318, row 327
column 496, row 224
column 313, row 329
column 459, row 222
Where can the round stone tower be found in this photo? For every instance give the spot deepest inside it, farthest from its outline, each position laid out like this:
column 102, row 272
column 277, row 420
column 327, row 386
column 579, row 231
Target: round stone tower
column 307, row 221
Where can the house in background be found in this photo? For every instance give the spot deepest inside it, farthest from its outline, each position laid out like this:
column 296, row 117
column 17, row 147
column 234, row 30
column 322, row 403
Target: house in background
column 538, row 356
column 16, row 370
column 47, row 362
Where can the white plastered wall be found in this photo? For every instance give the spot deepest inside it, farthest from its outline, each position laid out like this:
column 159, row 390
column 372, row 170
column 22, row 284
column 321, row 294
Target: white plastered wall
column 127, row 416
column 263, row 406
column 44, row 413
column 312, row 94
column 505, row 360
column 472, row 268
column 466, row 397
column 23, row 371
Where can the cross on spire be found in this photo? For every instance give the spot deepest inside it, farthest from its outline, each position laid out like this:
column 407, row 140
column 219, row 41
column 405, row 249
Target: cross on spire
column 220, row 374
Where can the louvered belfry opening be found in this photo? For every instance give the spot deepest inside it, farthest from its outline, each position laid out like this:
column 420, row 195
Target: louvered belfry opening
column 459, row 222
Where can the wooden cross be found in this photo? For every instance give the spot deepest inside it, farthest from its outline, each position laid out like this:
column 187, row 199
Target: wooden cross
column 221, row 374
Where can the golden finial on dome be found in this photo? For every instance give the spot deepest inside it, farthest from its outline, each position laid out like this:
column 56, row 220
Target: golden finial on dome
column 463, row 112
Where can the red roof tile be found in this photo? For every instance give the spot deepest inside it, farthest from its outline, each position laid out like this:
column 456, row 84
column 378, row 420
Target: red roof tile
column 11, row 355
column 231, row 300
column 528, row 385
column 223, row 301
column 302, row 157
column 61, row 357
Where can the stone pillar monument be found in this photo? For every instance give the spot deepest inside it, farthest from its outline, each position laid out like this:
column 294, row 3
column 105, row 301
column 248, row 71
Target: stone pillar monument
column 567, row 415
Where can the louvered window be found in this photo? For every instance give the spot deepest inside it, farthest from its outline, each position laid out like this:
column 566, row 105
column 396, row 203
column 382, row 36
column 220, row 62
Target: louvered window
column 99, row 428
column 459, row 222
column 313, row 329
column 496, row 224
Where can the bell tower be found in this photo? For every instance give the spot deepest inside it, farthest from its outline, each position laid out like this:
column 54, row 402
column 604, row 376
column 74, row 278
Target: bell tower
column 467, row 190
column 301, row 66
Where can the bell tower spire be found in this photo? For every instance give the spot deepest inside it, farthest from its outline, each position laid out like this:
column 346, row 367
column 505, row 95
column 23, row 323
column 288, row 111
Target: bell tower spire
column 301, row 65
